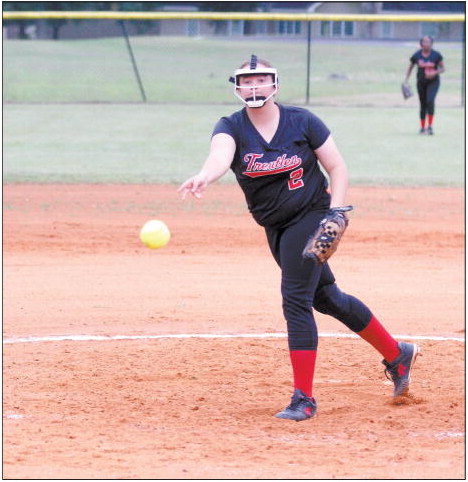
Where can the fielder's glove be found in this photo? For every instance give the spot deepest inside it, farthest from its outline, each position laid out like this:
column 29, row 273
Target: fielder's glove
column 406, row 90
column 324, row 242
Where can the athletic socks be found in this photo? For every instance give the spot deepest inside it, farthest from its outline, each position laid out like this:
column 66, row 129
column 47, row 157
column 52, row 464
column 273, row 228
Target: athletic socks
column 430, row 119
column 303, row 361
column 375, row 334
column 303, row 365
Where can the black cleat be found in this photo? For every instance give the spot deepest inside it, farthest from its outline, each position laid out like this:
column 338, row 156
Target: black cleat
column 422, row 131
column 301, row 407
column 430, row 131
column 399, row 371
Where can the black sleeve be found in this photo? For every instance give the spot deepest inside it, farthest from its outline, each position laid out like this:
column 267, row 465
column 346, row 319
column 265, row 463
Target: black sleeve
column 317, row 132
column 224, row 126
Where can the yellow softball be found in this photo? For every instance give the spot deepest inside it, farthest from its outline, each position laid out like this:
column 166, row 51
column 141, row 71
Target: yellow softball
column 155, row 234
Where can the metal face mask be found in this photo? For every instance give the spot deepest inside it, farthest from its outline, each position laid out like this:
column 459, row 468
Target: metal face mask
column 255, row 100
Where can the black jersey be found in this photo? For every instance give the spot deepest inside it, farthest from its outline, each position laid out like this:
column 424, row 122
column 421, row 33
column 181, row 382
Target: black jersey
column 426, row 63
column 281, row 179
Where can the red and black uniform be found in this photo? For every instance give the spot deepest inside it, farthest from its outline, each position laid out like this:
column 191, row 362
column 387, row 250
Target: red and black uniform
column 427, row 88
column 287, row 194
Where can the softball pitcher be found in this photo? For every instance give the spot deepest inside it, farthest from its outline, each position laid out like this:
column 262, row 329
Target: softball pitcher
column 275, row 152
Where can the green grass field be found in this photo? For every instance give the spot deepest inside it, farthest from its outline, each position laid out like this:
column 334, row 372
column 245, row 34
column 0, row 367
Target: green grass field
column 192, row 70
column 166, row 143
column 63, row 121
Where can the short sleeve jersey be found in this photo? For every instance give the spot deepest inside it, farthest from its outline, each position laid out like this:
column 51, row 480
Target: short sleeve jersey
column 281, row 179
column 426, row 64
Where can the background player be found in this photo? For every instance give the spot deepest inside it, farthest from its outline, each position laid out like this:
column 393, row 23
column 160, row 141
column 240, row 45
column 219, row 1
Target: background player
column 274, row 151
column 430, row 66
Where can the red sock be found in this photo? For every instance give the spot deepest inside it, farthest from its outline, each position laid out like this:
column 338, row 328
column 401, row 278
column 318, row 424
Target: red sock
column 429, row 119
column 303, row 365
column 423, row 123
column 375, row 334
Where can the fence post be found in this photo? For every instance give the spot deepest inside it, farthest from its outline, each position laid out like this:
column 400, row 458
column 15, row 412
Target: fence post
column 135, row 67
column 463, row 65
column 309, row 35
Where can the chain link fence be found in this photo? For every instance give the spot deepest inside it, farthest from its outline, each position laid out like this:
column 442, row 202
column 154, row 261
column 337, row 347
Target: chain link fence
column 190, row 61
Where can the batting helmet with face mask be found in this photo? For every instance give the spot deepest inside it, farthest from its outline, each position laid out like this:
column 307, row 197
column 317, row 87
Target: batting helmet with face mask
column 254, row 69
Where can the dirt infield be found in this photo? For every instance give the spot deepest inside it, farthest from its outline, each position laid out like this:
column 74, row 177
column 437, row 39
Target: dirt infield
column 192, row 408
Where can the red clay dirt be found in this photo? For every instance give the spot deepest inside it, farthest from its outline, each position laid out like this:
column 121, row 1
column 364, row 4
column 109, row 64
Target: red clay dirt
column 191, row 408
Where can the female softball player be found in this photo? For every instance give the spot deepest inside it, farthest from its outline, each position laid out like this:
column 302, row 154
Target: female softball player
column 430, row 66
column 275, row 151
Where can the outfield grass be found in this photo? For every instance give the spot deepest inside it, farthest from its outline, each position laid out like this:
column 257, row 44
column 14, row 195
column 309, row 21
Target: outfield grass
column 182, row 69
column 185, row 79
column 152, row 143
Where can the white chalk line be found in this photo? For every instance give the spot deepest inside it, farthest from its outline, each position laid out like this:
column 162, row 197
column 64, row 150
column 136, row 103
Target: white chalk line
column 40, row 339
column 436, row 435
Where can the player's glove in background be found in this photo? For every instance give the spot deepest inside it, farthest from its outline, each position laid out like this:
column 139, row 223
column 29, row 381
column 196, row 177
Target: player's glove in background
column 406, row 90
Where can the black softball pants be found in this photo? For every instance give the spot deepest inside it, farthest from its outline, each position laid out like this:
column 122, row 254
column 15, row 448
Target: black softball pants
column 305, row 286
column 427, row 91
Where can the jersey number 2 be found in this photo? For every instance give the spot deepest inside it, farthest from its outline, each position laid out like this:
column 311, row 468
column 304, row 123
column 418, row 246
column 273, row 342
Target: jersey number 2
column 295, row 179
